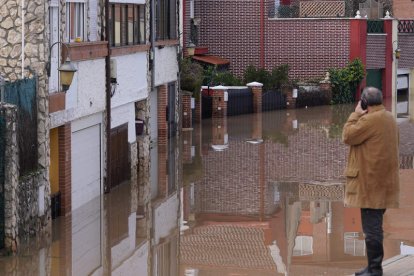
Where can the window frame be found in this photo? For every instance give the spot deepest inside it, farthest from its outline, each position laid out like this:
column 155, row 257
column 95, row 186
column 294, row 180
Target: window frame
column 76, row 12
column 166, row 14
column 126, row 36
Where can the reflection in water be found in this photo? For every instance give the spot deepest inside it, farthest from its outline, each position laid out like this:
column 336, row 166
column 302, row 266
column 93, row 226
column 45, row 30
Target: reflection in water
column 271, row 202
column 258, row 194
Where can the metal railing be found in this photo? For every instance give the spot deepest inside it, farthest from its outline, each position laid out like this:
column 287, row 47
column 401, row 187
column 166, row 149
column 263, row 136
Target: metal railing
column 406, row 26
column 375, row 26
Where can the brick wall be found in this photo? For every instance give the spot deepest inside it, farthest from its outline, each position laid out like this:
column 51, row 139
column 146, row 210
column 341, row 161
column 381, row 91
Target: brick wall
column 187, row 112
column 230, row 30
column 375, row 51
column 162, row 115
column 286, row 41
column 309, row 46
column 65, row 168
column 403, row 8
column 406, row 42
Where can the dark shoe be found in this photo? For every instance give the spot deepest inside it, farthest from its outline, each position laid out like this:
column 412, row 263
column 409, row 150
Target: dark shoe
column 366, row 272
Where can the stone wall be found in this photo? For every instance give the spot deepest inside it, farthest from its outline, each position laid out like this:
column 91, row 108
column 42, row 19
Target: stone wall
column 33, row 214
column 11, row 179
column 36, row 45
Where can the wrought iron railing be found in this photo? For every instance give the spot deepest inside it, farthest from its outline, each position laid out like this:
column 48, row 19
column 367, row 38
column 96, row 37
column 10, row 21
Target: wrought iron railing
column 375, row 26
column 406, row 161
column 372, row 9
column 406, row 26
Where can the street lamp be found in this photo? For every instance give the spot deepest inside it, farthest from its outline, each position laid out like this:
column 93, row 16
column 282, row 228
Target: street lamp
column 66, row 70
column 397, row 51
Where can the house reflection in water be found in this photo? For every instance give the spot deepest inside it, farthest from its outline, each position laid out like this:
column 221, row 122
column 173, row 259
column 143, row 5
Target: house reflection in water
column 272, row 206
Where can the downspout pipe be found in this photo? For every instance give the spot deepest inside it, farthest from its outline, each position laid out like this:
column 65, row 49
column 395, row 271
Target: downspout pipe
column 262, row 29
column 107, row 184
column 23, row 35
column 152, row 38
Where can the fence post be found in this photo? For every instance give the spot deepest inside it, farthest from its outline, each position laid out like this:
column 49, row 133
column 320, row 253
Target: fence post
column 257, row 88
column 220, row 98
column 187, row 112
column 290, row 97
column 326, row 89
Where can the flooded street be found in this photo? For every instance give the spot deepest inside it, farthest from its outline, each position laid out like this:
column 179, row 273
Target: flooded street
column 257, row 194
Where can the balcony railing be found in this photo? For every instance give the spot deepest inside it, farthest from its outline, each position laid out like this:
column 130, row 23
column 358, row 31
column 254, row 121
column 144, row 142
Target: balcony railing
column 406, row 26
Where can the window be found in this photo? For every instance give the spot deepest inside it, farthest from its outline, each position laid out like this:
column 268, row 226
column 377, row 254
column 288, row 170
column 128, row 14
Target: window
column 166, row 19
column 127, row 23
column 75, row 21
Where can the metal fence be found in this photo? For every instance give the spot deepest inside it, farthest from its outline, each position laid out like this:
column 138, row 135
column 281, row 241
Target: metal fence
column 375, row 26
column 406, row 26
column 240, row 101
column 22, row 93
column 273, row 100
column 327, row 9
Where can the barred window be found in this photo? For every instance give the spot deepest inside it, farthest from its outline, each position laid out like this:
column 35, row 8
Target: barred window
column 127, row 24
column 166, row 19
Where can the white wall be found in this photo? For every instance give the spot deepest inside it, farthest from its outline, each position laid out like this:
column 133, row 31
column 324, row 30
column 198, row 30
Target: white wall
column 125, row 114
column 166, row 65
column 132, row 79
column 166, row 217
column 86, row 95
column 137, row 264
column 86, row 238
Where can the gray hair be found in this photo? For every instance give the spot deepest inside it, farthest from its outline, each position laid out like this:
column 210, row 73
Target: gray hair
column 372, row 95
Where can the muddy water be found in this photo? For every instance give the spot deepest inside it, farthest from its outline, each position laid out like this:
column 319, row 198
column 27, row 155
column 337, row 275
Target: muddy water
column 258, row 194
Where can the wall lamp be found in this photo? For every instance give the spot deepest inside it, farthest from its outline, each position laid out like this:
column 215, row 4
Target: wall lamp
column 397, row 50
column 66, row 70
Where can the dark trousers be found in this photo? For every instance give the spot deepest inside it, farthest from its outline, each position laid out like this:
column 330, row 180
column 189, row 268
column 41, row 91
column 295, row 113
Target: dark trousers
column 372, row 226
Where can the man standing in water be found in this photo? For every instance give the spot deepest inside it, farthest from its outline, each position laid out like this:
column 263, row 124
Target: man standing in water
column 372, row 171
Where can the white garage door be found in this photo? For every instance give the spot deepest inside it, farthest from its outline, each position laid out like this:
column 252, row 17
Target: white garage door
column 86, row 165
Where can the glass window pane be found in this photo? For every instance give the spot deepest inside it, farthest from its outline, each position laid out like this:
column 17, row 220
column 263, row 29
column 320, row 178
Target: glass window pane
column 142, row 24
column 130, row 24
column 117, row 25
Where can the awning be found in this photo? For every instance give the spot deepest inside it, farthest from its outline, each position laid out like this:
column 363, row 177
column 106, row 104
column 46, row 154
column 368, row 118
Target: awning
column 210, row 59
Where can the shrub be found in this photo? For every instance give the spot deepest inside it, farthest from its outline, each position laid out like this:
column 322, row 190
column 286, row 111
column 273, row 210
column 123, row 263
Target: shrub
column 226, row 78
column 270, row 80
column 345, row 81
column 191, row 76
column 311, row 98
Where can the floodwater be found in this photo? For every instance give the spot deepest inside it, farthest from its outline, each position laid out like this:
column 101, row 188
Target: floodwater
column 258, row 194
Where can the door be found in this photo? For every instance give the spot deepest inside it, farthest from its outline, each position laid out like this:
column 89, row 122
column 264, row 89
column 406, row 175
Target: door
column 120, row 167
column 86, row 165
column 374, row 78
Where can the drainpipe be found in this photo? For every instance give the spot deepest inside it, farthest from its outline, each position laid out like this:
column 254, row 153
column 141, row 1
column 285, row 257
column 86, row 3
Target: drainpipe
column 262, row 64
column 107, row 187
column 23, row 34
column 152, row 50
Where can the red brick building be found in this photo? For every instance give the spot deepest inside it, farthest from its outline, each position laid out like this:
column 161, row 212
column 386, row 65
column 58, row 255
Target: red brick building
column 248, row 34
